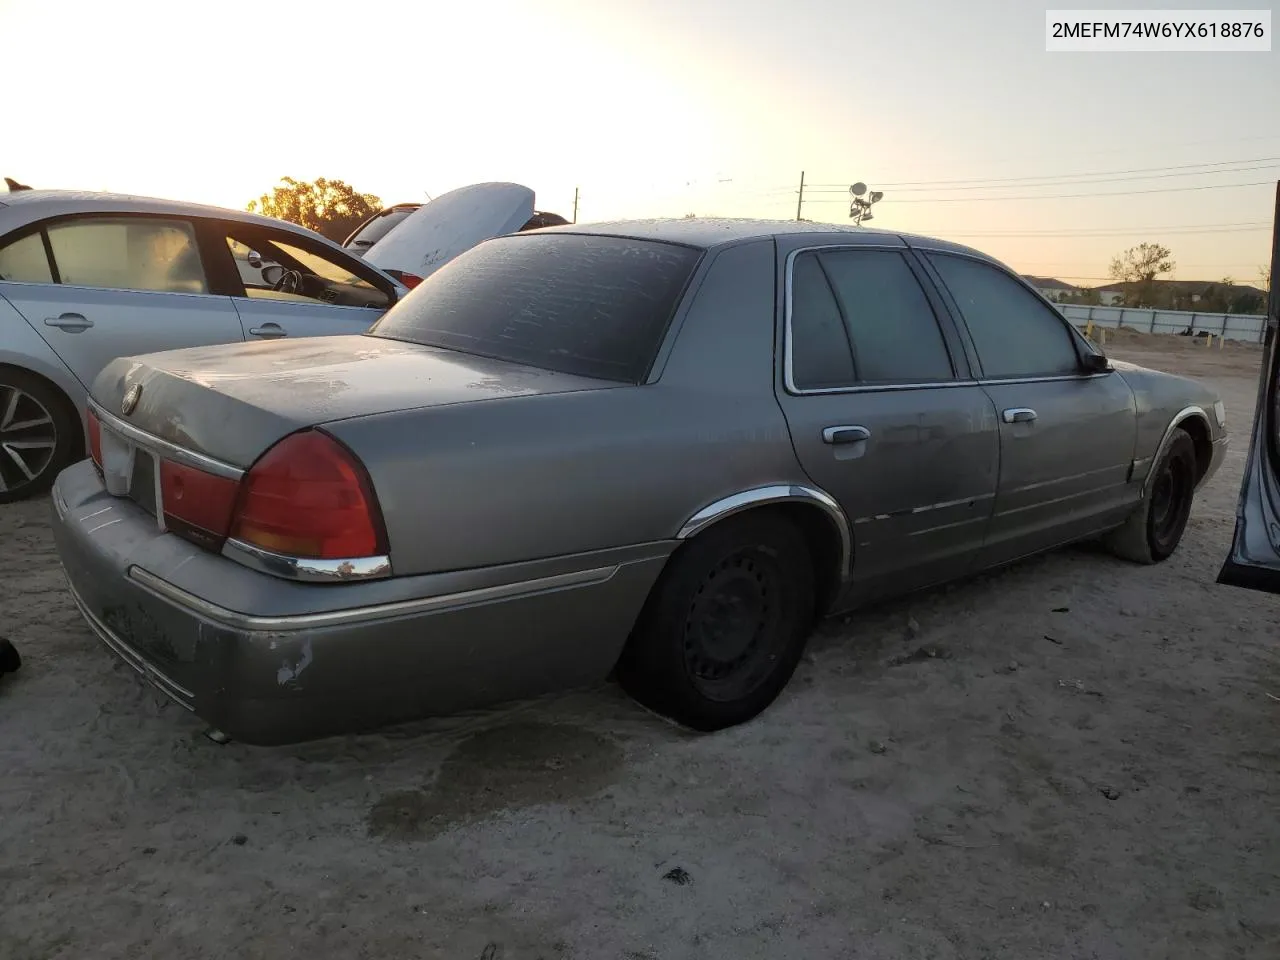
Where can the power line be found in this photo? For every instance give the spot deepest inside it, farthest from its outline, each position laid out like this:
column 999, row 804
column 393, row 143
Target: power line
column 1071, row 183
column 1068, row 196
column 1092, row 173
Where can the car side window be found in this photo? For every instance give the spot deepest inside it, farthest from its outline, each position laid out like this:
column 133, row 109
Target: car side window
column 1015, row 334
column 128, row 253
column 273, row 268
column 895, row 335
column 820, row 353
column 25, row 261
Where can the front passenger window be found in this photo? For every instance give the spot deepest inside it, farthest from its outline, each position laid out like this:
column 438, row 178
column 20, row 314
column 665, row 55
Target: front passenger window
column 1016, row 335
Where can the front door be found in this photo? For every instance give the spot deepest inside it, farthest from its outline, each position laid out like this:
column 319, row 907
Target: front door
column 884, row 418
column 119, row 286
column 295, row 288
column 1067, row 436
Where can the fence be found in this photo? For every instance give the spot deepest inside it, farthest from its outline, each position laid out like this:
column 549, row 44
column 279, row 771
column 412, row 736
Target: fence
column 1231, row 326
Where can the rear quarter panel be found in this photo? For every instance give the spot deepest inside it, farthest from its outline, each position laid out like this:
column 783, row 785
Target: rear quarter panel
column 522, row 478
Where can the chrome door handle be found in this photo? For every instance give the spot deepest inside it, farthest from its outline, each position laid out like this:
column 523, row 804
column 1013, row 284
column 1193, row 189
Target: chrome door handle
column 850, row 434
column 1019, row 415
column 269, row 331
column 71, row 322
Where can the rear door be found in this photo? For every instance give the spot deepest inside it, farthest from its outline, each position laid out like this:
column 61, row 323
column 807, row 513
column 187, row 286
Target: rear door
column 1067, row 436
column 285, row 285
column 884, row 415
column 100, row 287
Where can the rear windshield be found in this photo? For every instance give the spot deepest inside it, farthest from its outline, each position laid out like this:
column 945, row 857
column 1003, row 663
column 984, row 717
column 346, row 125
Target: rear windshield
column 586, row 305
column 379, row 227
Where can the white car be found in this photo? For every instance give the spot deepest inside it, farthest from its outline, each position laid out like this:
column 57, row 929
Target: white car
column 88, row 277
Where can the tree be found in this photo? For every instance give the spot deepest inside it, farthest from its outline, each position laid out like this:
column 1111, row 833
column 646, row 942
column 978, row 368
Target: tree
column 1141, row 265
column 330, row 207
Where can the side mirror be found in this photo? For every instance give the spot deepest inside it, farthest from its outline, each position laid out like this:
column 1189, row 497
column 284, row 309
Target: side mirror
column 255, row 259
column 272, row 273
column 1096, row 363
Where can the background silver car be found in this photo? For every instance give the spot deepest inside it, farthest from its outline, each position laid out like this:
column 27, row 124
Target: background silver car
column 663, row 447
column 88, row 277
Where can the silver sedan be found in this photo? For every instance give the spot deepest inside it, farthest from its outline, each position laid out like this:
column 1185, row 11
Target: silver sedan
column 657, row 448
column 88, row 277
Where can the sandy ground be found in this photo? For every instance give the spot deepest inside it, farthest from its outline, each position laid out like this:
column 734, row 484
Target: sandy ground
column 1087, row 766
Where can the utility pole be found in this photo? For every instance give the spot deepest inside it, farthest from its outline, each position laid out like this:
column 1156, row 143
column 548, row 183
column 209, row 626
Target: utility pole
column 800, row 202
column 575, row 204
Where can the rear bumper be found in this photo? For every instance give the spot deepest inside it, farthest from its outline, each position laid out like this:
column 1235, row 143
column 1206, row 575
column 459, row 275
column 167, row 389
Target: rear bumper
column 267, row 661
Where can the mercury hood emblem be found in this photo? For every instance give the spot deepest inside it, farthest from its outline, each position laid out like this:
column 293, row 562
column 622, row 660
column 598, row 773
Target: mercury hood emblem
column 131, row 398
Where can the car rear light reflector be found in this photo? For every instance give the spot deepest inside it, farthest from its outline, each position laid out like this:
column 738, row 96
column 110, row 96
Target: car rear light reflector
column 410, row 280
column 197, row 505
column 95, row 438
column 309, row 497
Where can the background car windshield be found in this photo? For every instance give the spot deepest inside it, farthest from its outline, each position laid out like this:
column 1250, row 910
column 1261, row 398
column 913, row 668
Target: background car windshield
column 379, row 227
column 587, row 305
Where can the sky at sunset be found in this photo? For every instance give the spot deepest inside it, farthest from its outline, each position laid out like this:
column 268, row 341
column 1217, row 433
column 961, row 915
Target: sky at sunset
column 1052, row 162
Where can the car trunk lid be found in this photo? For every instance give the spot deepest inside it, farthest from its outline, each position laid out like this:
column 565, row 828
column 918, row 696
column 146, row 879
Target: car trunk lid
column 232, row 402
column 450, row 225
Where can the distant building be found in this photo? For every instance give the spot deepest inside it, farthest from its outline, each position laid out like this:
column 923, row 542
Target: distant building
column 1051, row 288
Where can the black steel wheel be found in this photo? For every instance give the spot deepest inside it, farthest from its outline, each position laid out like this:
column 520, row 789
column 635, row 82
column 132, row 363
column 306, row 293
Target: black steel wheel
column 1154, row 530
column 723, row 629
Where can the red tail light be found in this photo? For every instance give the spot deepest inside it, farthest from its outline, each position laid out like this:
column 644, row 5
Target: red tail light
column 95, row 437
column 197, row 505
column 308, row 496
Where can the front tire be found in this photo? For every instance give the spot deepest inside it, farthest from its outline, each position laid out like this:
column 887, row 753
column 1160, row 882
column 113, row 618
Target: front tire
column 39, row 435
column 724, row 628
column 1154, row 530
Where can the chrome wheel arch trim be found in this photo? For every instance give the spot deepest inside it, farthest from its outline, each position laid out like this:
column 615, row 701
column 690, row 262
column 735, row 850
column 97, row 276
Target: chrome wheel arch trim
column 1179, row 418
column 776, row 493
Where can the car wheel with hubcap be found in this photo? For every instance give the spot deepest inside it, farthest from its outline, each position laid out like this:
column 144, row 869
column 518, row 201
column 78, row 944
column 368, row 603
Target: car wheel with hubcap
column 1154, row 530
column 723, row 629
column 38, row 435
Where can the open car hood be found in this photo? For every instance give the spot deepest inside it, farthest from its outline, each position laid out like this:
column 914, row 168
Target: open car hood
column 450, row 225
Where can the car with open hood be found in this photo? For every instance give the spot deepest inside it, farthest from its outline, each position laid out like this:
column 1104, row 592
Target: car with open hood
column 412, row 240
column 661, row 449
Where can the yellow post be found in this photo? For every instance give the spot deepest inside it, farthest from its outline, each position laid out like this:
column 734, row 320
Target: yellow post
column 1103, row 333
column 1088, row 330
column 1208, row 343
column 1221, row 341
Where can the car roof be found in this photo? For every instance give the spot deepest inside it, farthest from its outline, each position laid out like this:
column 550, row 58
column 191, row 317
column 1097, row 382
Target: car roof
column 26, row 206
column 708, row 233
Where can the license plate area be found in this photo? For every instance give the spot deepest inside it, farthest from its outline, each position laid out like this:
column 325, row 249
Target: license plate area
column 133, row 472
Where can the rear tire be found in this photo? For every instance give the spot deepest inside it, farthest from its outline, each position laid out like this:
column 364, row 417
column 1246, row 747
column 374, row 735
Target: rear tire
column 724, row 628
column 40, row 434
column 1154, row 530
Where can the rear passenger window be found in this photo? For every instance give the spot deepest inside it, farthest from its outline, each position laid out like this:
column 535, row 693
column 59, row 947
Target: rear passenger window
column 1015, row 333
column 820, row 354
column 861, row 317
column 129, row 253
column 896, row 338
column 24, row 261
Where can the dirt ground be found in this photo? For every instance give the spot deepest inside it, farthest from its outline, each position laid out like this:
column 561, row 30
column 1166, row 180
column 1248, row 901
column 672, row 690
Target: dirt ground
column 1072, row 758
